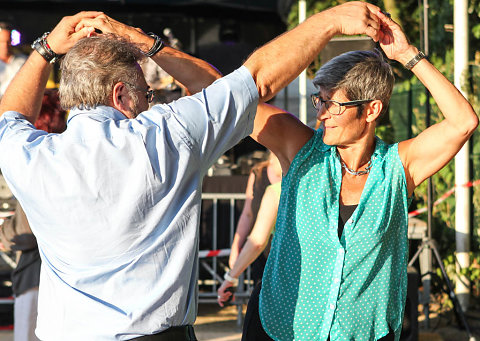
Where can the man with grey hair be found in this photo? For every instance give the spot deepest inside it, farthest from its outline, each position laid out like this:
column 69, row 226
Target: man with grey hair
column 115, row 199
column 337, row 269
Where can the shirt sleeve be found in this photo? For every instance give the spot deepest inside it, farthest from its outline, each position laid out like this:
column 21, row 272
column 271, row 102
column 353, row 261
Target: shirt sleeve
column 16, row 131
column 218, row 117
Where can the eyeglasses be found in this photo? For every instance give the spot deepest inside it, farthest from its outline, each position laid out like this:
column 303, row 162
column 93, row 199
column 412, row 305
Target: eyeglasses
column 149, row 94
column 334, row 107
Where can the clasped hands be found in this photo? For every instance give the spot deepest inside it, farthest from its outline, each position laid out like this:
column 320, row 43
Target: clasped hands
column 355, row 17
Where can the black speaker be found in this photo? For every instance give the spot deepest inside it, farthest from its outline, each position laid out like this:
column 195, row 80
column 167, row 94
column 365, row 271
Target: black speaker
column 410, row 317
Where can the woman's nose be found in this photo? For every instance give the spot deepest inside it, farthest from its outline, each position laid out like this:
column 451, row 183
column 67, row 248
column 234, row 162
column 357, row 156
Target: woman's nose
column 322, row 113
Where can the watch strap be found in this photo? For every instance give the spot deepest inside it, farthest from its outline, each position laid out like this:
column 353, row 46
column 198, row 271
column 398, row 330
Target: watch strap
column 42, row 47
column 420, row 55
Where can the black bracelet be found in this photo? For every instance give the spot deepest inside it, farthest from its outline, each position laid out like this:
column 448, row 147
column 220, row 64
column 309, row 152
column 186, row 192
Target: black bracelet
column 157, row 45
column 42, row 47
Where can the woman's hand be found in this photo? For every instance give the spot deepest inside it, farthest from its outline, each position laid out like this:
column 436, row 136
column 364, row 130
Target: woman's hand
column 393, row 40
column 224, row 293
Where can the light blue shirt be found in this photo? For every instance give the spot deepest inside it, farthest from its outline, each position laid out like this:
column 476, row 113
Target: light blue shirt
column 316, row 285
column 115, row 204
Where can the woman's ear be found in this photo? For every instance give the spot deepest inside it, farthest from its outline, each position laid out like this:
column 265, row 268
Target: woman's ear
column 374, row 108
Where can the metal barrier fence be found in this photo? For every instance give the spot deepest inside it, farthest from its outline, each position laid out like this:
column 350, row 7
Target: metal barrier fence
column 215, row 260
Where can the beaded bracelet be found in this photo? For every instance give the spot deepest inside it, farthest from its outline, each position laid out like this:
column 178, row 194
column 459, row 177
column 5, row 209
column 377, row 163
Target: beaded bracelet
column 157, row 45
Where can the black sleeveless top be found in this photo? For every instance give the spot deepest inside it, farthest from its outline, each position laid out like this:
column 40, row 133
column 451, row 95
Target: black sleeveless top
column 259, row 186
column 346, row 212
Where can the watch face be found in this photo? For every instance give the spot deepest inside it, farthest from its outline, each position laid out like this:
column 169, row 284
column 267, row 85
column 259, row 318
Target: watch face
column 5, row 192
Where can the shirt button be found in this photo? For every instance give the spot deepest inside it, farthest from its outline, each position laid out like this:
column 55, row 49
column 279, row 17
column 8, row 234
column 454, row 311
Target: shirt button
column 332, row 306
column 336, row 280
column 332, row 227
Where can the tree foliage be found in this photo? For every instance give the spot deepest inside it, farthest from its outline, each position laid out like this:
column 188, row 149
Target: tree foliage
column 410, row 15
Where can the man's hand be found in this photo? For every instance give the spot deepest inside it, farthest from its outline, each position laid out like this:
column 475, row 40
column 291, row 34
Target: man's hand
column 29, row 83
column 393, row 40
column 64, row 35
column 355, row 17
column 106, row 24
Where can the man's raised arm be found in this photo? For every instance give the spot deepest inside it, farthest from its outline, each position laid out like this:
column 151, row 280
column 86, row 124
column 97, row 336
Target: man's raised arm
column 25, row 92
column 193, row 73
column 277, row 63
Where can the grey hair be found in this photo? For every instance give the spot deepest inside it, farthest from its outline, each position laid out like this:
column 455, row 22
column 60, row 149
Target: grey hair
column 93, row 66
column 361, row 74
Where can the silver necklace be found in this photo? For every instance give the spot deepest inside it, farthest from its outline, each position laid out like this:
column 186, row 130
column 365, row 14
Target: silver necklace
column 363, row 172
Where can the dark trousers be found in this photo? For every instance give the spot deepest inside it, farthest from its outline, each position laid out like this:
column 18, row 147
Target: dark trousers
column 180, row 333
column 252, row 326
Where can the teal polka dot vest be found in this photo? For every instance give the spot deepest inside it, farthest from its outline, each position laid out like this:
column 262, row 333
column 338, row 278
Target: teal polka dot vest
column 316, row 285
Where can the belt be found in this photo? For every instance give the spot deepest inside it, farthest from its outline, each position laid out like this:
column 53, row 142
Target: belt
column 180, row 333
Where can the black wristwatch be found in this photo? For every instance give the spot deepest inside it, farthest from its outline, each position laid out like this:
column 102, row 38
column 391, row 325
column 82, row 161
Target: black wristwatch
column 42, row 47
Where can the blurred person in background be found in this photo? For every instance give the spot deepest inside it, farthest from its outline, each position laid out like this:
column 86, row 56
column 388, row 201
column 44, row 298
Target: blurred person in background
column 10, row 63
column 257, row 244
column 262, row 175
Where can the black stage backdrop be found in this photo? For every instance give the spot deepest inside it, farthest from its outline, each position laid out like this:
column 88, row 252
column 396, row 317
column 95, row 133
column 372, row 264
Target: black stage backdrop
column 222, row 32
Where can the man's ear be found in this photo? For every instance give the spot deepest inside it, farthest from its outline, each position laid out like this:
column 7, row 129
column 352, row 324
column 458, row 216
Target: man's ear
column 118, row 96
column 373, row 109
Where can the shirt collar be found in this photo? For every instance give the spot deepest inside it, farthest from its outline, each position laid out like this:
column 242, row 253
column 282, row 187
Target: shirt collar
column 380, row 149
column 99, row 110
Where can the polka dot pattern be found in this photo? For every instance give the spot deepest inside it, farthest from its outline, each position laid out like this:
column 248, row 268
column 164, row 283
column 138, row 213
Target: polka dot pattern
column 316, row 285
